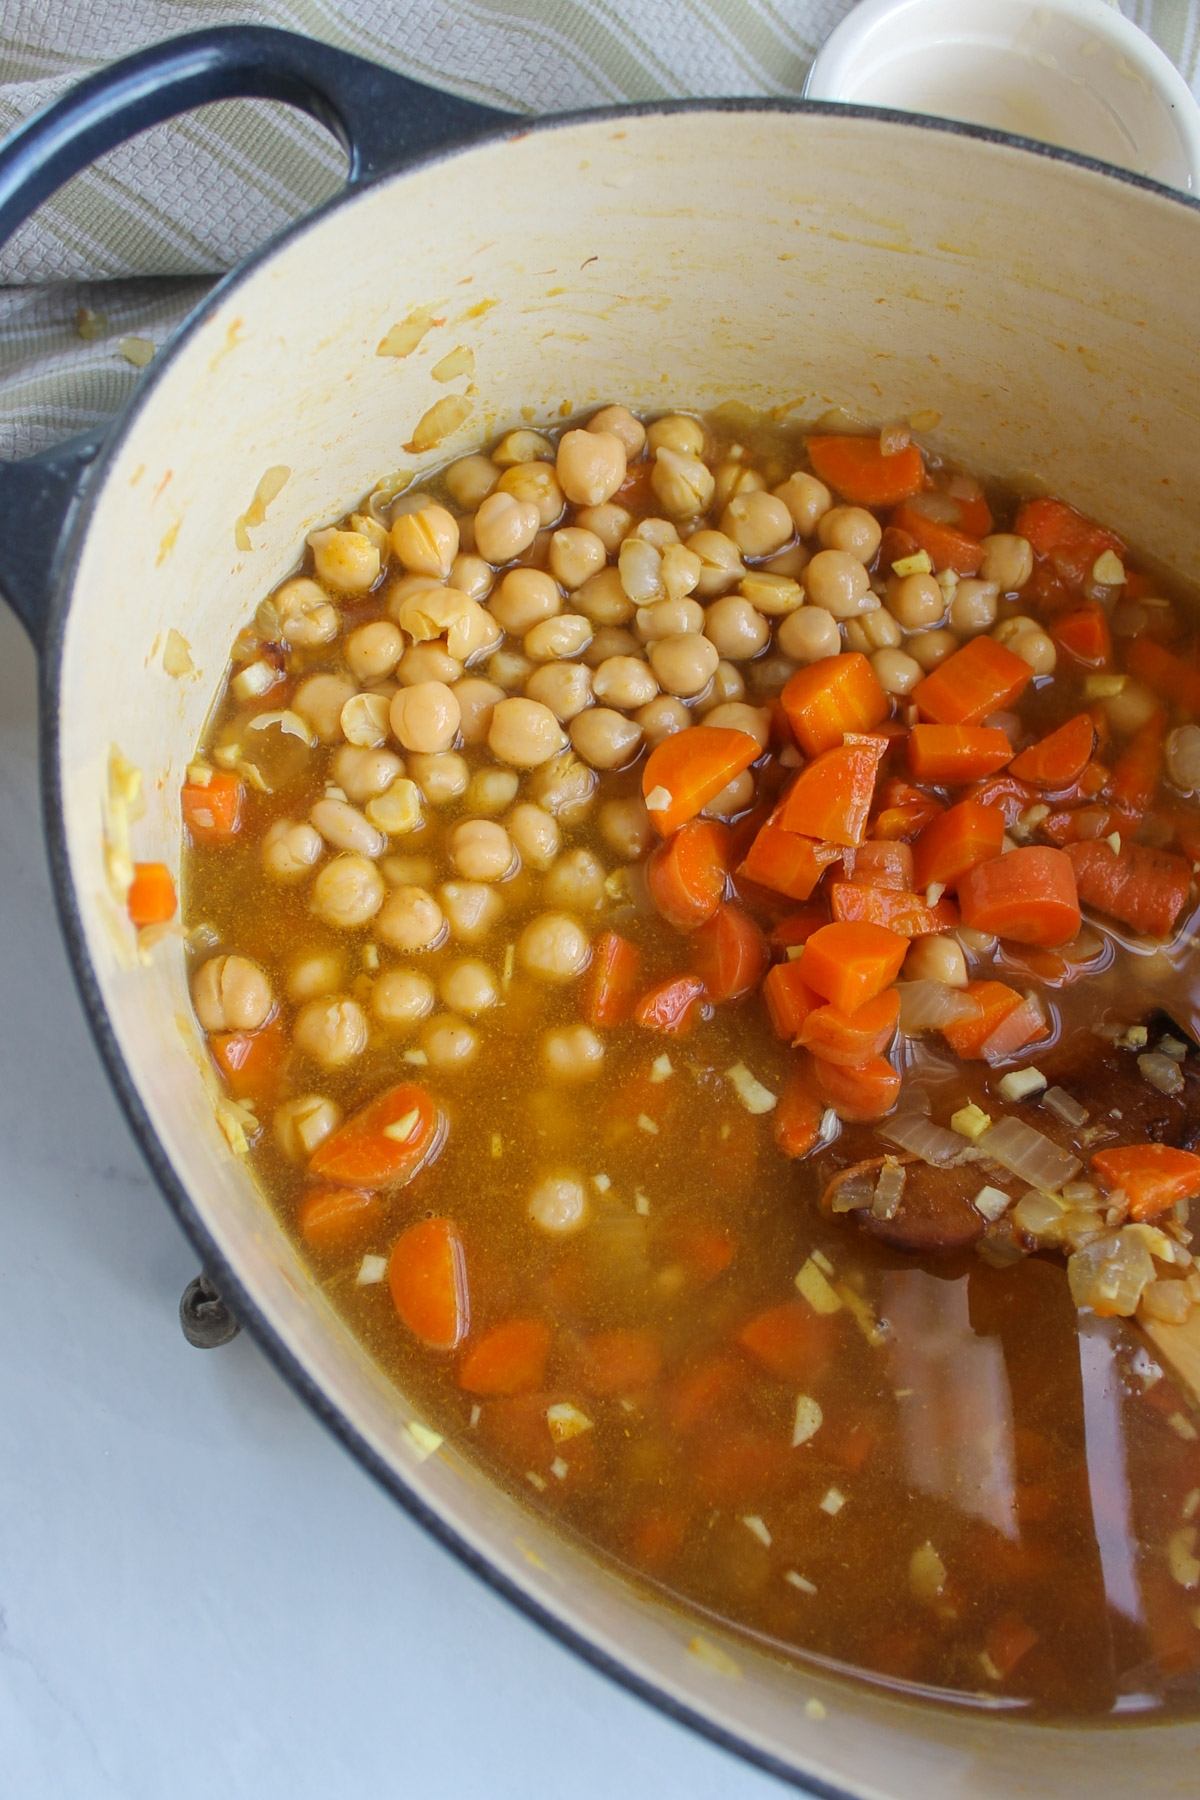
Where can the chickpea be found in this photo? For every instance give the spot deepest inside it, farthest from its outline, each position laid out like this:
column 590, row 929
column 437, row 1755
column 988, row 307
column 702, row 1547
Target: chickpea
column 1007, row 561
column 611, row 640
column 603, row 600
column 472, row 576
column 1037, row 649
column 734, row 798
column 369, row 527
column 721, row 565
column 809, row 635
column 621, row 423
column 441, row 777
column 363, row 773
column 734, row 478
column 937, row 959
column 609, row 522
column 565, row 687
column 625, row 827
column 605, row 739
column 558, row 1204
column 640, row 567
column 662, row 718
column 509, row 670
column 572, row 1054
column 574, row 555
column 313, row 973
column 347, row 892
column 625, row 682
column 1132, row 708
column 727, row 685
column 401, row 998
column 567, row 635
column 522, row 446
column 790, row 563
column 876, row 630
column 396, row 811
column 524, row 598
column 345, row 828
column 365, row 721
column 332, row 1031
column 480, row 849
column 413, row 500
column 449, row 1043
column 300, row 1125
column 290, row 850
column 1012, row 627
column 426, row 716
column 470, row 480
column 590, row 466
column 411, row 919
column 565, row 787
column 807, row 499
column 839, row 583
column 492, row 791
column 231, row 993
column 895, row 672
column 504, row 526
column 471, row 909
column 735, row 715
column 524, row 733
column 680, row 571
column 554, row 947
column 683, row 485
column 667, row 618
column 852, row 529
column 930, row 648
column 426, row 542
column 476, row 698
column 345, row 560
column 759, row 524
column 306, row 616
column 409, row 871
column 535, row 835
column 675, row 431
column 536, row 483
column 320, row 700
column 575, row 883
column 916, row 601
column 773, row 595
column 468, row 987
column 770, row 675
column 737, row 630
column 684, row 663
column 428, row 662
column 974, row 606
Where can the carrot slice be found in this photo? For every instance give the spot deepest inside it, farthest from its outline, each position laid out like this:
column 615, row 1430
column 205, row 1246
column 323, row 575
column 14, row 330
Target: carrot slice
column 1165, row 672
column 896, row 823
column 384, row 1144
column 849, row 964
column 785, row 862
column 996, row 1001
column 946, row 547
column 791, row 1340
column 1069, row 539
column 251, row 1061
column 689, row 768
column 1143, row 888
column 948, row 755
column 670, row 1007
column 1006, row 793
column 830, row 697
column 979, row 679
column 335, row 1218
column 831, row 798
column 213, row 813
column 686, row 875
column 956, row 841
column 908, row 914
column 1154, row 1176
column 427, row 1275
column 860, row 1094
column 730, row 954
column 1058, row 760
column 798, row 927
column 619, row 1362
column 509, row 1359
column 859, row 470
column 879, row 864
column 151, row 899
column 1138, row 769
column 1083, row 635
column 1028, row 895
column 789, row 999
column 852, row 1038
column 797, row 1118
column 616, row 967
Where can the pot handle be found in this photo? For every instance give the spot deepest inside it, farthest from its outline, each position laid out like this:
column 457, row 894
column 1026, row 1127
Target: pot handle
column 380, row 118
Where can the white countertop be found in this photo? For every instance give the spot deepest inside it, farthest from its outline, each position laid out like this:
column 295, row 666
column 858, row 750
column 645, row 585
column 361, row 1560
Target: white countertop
column 200, row 1593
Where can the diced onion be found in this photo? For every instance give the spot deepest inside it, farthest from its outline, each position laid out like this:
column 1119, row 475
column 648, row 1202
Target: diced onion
column 1064, row 1106
column 1111, row 1274
column 932, row 1143
column 856, row 1192
column 1015, row 1032
column 1019, row 1084
column 991, row 1202
column 928, row 1005
column 1028, row 1155
column 749, row 1090
column 1162, row 1072
column 889, row 1190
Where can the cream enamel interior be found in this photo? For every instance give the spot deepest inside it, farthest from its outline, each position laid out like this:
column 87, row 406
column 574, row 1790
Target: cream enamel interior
column 1042, row 309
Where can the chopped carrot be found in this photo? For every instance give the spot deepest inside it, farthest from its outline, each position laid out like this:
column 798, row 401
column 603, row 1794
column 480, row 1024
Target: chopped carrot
column 251, row 1061
column 1154, row 1176
column 785, row 862
column 336, row 1218
column 384, row 1144
column 1146, row 889
column 956, row 841
column 792, row 1341
column 1005, row 792
column 830, row 697
column 658, row 1536
column 151, row 899
column 712, row 1387
column 789, row 999
column 946, row 547
column 687, row 875
column 981, row 678
column 1009, row 1639
column 948, row 755
column 743, row 833
column 861, row 473
column 861, row 1094
column 798, row 927
column 831, row 798
column 730, row 954
column 616, row 967
column 213, row 813
column 703, row 1250
column 852, row 1038
column 619, row 1362
column 894, row 547
column 1059, row 759
column 740, row 1465
column 1068, row 539
column 974, row 513
column 1028, row 895
column 996, row 1001
column 1165, row 672
column 908, row 914
column 671, row 1007
column 796, row 1121
column 1083, row 635
column 509, row 1359
column 1138, row 769
column 427, row 1275
column 879, row 864
column 895, row 823
column 689, row 768
column 850, row 964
